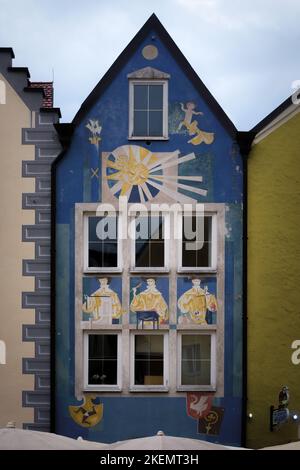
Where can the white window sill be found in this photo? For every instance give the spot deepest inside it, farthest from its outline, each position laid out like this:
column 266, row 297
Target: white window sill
column 102, row 270
column 196, row 270
column 149, row 270
column 145, row 389
column 103, row 388
column 196, row 388
column 148, row 138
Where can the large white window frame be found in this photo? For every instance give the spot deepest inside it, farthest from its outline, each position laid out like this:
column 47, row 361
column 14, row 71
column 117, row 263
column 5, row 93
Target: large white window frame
column 108, row 387
column 107, row 269
column 149, row 388
column 214, row 246
column 166, row 232
column 164, row 83
column 213, row 361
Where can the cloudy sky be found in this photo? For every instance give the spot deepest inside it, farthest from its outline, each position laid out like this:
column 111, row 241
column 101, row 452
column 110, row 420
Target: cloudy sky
column 245, row 51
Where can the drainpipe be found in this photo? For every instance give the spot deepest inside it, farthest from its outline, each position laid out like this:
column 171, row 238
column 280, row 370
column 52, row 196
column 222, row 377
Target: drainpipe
column 244, row 140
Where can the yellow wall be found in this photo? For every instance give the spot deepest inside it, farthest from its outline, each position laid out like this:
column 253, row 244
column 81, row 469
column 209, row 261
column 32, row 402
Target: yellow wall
column 273, row 279
column 14, row 115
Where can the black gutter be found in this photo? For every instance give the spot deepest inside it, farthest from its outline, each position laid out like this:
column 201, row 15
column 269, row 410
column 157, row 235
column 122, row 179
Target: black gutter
column 244, row 140
column 65, row 131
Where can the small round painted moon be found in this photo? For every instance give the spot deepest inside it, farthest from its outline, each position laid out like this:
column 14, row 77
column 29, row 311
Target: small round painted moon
column 150, row 52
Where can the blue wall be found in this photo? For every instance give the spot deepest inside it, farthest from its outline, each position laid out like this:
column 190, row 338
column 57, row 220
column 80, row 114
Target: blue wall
column 221, row 166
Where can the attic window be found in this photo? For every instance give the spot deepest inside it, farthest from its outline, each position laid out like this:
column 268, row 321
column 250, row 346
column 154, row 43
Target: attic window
column 148, row 104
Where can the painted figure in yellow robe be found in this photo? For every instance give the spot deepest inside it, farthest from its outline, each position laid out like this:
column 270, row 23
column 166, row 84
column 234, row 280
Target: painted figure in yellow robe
column 103, row 304
column 192, row 126
column 195, row 302
column 150, row 299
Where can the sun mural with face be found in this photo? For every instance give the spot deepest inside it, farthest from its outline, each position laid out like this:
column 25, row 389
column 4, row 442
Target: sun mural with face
column 138, row 174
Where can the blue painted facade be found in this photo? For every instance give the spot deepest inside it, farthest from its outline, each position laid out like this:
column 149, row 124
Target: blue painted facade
column 79, row 179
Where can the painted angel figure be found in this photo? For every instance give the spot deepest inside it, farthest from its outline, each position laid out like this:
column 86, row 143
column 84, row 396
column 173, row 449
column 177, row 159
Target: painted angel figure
column 196, row 302
column 192, row 125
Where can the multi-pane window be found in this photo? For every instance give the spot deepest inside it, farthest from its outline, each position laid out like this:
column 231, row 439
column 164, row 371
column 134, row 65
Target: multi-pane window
column 102, row 243
column 148, row 109
column 149, row 251
column 149, row 362
column 102, row 364
column 196, row 360
column 198, row 243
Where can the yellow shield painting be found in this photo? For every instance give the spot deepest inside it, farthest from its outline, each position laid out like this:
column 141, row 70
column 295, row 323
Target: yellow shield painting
column 88, row 414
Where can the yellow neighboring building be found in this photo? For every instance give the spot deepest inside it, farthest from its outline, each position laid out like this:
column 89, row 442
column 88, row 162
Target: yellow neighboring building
column 274, row 274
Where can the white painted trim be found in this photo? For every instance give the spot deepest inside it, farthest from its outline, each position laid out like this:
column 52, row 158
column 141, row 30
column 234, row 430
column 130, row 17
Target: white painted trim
column 102, row 388
column 87, row 269
column 213, row 364
column 283, row 117
column 214, row 247
column 165, row 135
column 166, row 268
column 149, row 388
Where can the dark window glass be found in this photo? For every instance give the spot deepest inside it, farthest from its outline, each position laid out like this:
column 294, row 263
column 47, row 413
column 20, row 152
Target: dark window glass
column 103, row 242
column 140, row 97
column 149, row 243
column 148, row 110
column 141, row 123
column 195, row 360
column 156, row 97
column 149, row 360
column 199, row 254
column 102, row 359
column 155, row 123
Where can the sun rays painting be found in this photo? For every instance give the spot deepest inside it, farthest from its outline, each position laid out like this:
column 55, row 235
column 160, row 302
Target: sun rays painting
column 140, row 175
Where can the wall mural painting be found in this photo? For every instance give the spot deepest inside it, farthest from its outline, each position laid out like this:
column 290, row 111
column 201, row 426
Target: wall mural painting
column 197, row 303
column 95, row 130
column 89, row 413
column 141, row 175
column 191, row 125
column 149, row 302
column 101, row 300
column 198, row 404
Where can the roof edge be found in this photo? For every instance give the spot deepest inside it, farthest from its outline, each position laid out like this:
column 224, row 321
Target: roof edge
column 154, row 23
column 51, row 110
column 19, row 70
column 272, row 115
column 65, row 132
column 8, row 50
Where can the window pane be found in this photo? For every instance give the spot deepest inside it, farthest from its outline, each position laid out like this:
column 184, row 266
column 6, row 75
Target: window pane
column 156, row 227
column 141, row 97
column 195, row 360
column 95, row 255
column 142, row 254
column 103, row 244
column 155, row 96
column 155, row 123
column 140, row 125
column 157, row 255
column 201, row 257
column 93, row 221
column 149, row 360
column 103, row 359
column 149, row 245
column 110, row 255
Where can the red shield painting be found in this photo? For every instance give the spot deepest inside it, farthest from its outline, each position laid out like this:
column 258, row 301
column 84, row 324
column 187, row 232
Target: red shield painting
column 198, row 404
